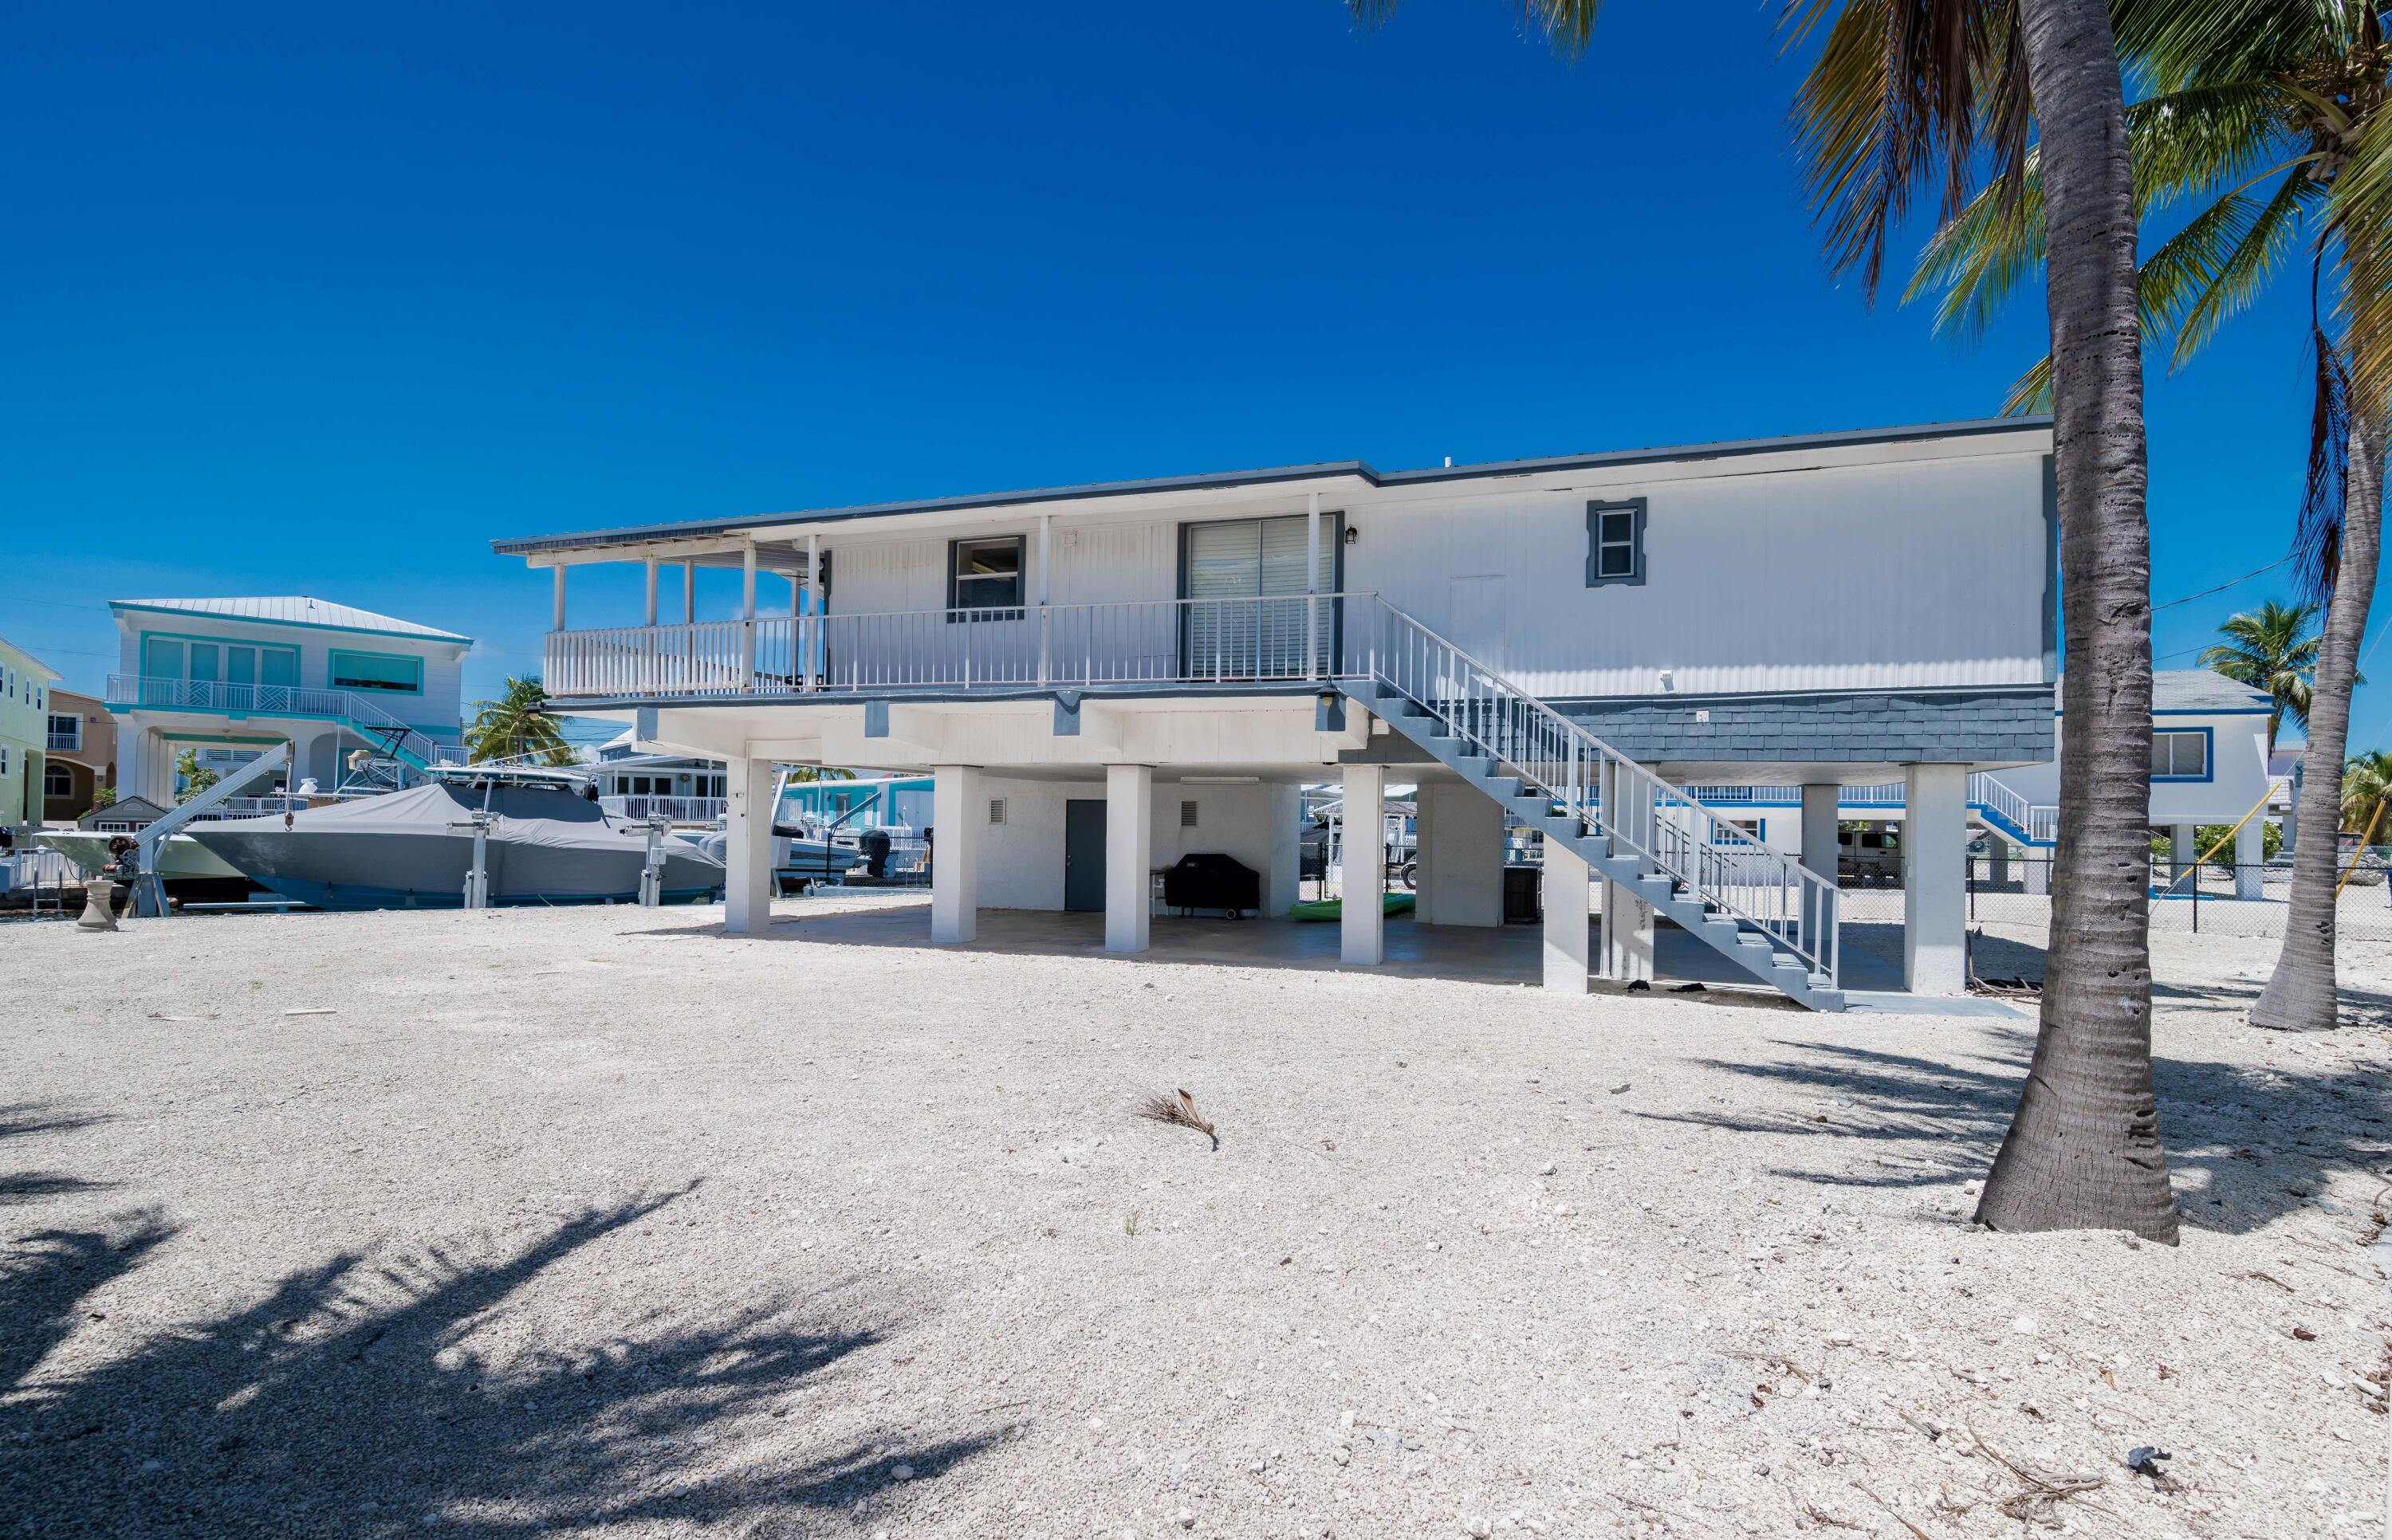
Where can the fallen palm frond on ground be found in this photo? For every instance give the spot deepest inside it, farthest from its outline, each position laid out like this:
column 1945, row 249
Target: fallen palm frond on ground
column 2044, row 1489
column 1180, row 1111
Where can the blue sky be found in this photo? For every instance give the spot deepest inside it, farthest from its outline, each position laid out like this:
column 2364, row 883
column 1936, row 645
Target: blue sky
column 315, row 300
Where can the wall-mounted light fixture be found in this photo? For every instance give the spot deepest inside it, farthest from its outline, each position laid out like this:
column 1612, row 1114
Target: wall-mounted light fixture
column 1349, row 535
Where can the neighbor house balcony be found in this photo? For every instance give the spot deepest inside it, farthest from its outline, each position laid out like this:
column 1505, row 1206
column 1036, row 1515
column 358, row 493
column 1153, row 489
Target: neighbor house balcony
column 216, row 697
column 66, row 740
column 1270, row 639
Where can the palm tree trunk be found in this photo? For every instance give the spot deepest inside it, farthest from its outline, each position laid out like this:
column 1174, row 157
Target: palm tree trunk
column 2300, row 995
column 2083, row 1150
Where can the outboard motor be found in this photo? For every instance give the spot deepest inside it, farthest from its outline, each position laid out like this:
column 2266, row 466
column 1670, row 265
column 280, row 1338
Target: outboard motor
column 874, row 846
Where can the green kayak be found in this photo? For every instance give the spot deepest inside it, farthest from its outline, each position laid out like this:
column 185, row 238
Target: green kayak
column 1334, row 908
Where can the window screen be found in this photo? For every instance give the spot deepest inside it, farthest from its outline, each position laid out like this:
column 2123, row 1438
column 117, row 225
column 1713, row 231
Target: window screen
column 986, row 575
column 2179, row 755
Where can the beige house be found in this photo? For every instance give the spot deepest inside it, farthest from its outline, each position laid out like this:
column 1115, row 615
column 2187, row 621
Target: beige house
column 81, row 756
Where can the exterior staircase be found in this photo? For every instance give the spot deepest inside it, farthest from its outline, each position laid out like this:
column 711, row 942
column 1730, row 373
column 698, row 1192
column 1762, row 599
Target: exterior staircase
column 2032, row 828
column 1759, row 908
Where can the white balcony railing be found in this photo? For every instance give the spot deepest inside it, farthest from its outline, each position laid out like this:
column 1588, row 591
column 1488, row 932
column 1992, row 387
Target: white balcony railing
column 638, row 808
column 65, row 742
column 1151, row 642
column 157, row 693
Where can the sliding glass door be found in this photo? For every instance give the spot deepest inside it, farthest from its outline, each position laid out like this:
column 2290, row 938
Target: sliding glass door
column 1246, row 588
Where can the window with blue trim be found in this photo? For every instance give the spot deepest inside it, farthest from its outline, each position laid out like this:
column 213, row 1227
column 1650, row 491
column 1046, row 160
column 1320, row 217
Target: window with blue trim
column 378, row 671
column 2180, row 755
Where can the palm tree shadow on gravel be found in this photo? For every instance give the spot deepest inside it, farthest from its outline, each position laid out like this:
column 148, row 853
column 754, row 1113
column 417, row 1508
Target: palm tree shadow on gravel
column 353, row 1399
column 2247, row 1142
column 25, row 1119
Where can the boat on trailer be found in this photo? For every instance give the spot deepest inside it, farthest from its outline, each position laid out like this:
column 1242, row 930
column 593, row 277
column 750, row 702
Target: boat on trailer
column 544, row 840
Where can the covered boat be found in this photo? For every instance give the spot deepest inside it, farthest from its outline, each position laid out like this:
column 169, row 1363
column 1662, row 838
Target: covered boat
column 546, row 843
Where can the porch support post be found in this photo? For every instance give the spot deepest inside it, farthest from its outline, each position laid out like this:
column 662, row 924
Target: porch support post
column 1312, row 585
column 748, row 885
column 1569, row 891
column 1820, row 805
column 1129, row 855
column 1935, row 897
column 954, row 853
column 2182, row 848
column 1283, row 869
column 1046, row 630
column 748, row 617
column 689, row 593
column 810, row 659
column 556, row 622
column 1362, row 917
column 2250, row 855
column 651, row 595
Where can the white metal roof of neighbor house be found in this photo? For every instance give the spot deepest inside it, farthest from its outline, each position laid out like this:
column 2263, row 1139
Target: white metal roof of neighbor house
column 294, row 610
column 1281, row 476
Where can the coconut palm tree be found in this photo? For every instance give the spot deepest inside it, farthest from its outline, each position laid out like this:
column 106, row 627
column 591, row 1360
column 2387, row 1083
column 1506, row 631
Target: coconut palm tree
column 2366, row 790
column 517, row 723
column 2273, row 648
column 1906, row 95
column 2270, row 119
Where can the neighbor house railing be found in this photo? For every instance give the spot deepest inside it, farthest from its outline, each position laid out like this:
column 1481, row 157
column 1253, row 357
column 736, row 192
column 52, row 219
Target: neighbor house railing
column 273, row 700
column 1273, row 637
column 640, row 807
column 65, row 742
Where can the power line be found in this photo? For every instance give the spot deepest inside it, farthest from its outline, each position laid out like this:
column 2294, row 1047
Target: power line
column 2220, row 589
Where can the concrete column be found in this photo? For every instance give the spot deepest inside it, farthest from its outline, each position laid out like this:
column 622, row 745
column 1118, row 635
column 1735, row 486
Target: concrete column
column 1997, row 850
column 2250, row 854
column 1569, row 893
column 1361, row 935
column 2038, row 870
column 1461, row 857
column 1935, row 897
column 1628, row 933
column 1820, row 805
column 748, row 884
column 556, row 622
column 2183, row 849
column 650, row 605
column 1283, row 867
column 957, row 815
column 689, row 593
column 1129, row 856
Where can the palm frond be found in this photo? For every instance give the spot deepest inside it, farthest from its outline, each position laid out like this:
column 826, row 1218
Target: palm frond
column 1902, row 92
column 2240, row 242
column 1567, row 25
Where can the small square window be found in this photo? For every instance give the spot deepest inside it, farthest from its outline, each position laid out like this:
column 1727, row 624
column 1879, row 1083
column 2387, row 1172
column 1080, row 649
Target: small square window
column 1615, row 537
column 984, row 578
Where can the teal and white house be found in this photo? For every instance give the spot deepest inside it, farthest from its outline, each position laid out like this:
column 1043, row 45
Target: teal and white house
column 1100, row 678
column 228, row 677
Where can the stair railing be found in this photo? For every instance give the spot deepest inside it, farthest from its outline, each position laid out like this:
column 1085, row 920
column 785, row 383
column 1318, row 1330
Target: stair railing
column 1721, row 865
column 2038, row 823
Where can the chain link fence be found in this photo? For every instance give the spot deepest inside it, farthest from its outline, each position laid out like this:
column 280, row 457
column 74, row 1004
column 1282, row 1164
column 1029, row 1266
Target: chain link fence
column 2011, row 899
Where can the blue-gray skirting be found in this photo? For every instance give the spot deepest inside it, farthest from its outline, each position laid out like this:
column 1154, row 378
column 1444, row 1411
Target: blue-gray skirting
column 2007, row 723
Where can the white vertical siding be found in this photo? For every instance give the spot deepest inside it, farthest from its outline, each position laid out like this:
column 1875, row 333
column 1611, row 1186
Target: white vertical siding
column 1874, row 577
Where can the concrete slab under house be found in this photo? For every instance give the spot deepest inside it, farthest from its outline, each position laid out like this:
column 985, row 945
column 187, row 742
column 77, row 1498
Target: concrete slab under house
column 1102, row 679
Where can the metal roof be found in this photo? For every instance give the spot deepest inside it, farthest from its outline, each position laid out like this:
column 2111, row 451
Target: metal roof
column 294, row 610
column 1285, row 474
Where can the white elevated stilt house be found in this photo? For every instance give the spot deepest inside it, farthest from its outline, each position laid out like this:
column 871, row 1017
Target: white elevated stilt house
column 1104, row 678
